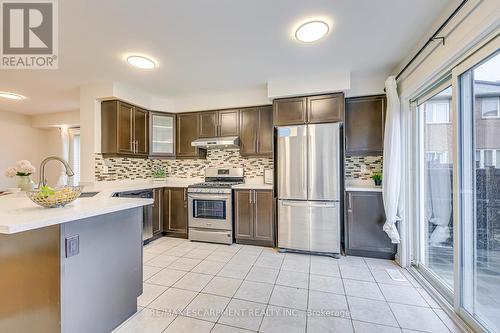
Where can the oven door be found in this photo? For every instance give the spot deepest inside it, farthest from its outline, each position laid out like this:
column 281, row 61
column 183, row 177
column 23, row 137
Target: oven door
column 210, row 211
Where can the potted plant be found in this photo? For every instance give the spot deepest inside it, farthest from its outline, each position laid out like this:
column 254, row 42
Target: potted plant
column 377, row 178
column 23, row 170
column 159, row 174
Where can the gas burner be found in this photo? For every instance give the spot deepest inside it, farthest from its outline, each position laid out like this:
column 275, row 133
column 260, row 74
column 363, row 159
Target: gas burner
column 215, row 184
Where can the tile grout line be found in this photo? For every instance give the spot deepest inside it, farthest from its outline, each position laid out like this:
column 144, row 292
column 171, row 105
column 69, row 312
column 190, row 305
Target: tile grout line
column 214, row 323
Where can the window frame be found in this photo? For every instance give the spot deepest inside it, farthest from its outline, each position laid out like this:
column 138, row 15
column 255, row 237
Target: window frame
column 497, row 99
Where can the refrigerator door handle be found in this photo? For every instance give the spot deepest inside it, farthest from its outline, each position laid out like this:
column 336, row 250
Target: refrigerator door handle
column 309, row 204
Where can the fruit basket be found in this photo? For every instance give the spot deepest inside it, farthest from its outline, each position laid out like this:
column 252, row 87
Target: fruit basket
column 54, row 197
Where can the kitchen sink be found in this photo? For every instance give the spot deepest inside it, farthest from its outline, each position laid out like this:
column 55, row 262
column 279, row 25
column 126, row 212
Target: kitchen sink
column 88, row 194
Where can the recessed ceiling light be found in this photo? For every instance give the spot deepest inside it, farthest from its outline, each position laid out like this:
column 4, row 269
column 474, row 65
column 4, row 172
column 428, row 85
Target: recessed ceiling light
column 141, row 62
column 311, row 31
column 9, row 95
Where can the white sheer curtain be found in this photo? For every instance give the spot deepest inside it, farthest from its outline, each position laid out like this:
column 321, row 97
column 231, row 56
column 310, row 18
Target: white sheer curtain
column 63, row 153
column 440, row 188
column 391, row 178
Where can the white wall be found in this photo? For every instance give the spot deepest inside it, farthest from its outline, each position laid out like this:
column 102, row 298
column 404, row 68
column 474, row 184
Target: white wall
column 19, row 141
column 317, row 83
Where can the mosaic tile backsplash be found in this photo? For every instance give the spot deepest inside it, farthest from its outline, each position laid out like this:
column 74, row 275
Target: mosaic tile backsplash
column 122, row 168
column 354, row 166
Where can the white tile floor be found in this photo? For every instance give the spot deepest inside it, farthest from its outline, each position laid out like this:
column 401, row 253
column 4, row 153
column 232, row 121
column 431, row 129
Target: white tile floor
column 201, row 287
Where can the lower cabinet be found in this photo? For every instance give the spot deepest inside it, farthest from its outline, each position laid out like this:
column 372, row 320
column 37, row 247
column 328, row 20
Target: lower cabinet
column 365, row 220
column 175, row 212
column 254, row 217
column 157, row 211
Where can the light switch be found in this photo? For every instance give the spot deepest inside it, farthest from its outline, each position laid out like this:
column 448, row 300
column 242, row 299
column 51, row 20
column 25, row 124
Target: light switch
column 72, row 246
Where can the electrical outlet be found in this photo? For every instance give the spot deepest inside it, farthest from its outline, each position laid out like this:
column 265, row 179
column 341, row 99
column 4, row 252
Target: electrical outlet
column 72, row 246
column 363, row 168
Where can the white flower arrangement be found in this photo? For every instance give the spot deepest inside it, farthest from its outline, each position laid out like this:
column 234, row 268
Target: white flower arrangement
column 22, row 168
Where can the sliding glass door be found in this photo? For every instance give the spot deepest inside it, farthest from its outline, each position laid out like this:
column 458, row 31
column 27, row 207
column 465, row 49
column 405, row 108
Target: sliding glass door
column 435, row 259
column 479, row 269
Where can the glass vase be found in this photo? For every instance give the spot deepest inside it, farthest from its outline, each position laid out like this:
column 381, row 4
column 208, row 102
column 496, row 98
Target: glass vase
column 25, row 183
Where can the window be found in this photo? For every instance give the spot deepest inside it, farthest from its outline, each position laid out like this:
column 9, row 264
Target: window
column 437, row 112
column 479, row 193
column 74, row 154
column 440, row 157
column 487, row 158
column 435, row 245
column 489, row 107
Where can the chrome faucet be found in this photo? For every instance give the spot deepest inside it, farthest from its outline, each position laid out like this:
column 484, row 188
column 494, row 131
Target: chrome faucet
column 43, row 181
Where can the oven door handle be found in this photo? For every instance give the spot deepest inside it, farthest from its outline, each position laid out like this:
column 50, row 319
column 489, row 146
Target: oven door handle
column 208, row 197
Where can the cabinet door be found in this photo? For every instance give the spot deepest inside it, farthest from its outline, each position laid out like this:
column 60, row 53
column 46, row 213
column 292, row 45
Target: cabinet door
column 325, row 108
column 365, row 220
column 244, row 212
column 176, row 219
column 141, row 131
column 208, row 124
column 364, row 125
column 290, row 111
column 187, row 132
column 263, row 220
column 161, row 133
column 125, row 124
column 249, row 124
column 265, row 131
column 157, row 211
column 229, row 123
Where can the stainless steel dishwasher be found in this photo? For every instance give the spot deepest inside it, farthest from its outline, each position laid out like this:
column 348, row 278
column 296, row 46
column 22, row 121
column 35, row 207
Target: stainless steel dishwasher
column 147, row 216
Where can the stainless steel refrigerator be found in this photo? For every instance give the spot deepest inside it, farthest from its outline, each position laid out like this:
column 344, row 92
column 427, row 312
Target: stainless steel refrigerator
column 309, row 188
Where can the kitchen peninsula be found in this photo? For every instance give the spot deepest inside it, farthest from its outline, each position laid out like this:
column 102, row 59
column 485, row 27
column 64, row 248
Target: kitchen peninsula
column 71, row 269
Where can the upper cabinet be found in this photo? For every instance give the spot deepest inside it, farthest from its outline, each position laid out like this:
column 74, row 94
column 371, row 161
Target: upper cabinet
column 219, row 123
column 188, row 127
column 256, row 131
column 162, row 134
column 124, row 129
column 309, row 110
column 364, row 125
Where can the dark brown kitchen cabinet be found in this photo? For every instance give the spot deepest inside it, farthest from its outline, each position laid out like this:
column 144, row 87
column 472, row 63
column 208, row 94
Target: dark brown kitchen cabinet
column 208, row 124
column 365, row 219
column 157, row 211
column 309, row 110
column 124, row 129
column 175, row 212
column 325, row 108
column 141, row 129
column 219, row 123
column 364, row 125
column 290, row 111
column 254, row 217
column 188, row 126
column 256, row 131
column 229, row 123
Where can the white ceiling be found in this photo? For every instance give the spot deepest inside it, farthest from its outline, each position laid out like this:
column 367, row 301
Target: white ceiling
column 208, row 46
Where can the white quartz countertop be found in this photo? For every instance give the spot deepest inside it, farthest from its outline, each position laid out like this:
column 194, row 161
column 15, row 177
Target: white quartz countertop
column 18, row 213
column 359, row 185
column 252, row 186
column 364, row 188
column 123, row 186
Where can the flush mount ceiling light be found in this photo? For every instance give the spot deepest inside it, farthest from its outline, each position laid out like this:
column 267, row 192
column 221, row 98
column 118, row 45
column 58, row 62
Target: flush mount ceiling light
column 9, row 95
column 311, row 31
column 141, row 62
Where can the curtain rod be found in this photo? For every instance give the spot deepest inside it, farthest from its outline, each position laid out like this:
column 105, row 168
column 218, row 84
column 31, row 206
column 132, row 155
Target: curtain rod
column 433, row 38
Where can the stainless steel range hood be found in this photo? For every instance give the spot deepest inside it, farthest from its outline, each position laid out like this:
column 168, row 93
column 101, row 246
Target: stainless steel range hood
column 222, row 142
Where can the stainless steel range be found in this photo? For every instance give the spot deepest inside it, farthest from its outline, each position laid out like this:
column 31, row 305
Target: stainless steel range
column 210, row 206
